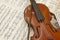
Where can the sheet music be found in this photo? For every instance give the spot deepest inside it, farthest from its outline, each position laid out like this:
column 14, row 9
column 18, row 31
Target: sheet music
column 12, row 23
column 57, row 12
column 12, row 20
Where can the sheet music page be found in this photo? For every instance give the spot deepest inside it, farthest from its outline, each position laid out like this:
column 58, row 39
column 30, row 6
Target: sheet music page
column 57, row 12
column 12, row 23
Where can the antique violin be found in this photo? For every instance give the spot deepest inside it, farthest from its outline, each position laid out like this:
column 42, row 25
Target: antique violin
column 38, row 17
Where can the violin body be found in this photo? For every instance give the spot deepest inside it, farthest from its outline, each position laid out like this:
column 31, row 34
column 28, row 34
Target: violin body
column 43, row 30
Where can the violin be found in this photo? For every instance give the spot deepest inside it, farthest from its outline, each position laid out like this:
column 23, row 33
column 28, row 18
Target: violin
column 38, row 17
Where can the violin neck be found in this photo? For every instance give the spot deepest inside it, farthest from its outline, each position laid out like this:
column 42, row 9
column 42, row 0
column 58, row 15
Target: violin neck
column 38, row 13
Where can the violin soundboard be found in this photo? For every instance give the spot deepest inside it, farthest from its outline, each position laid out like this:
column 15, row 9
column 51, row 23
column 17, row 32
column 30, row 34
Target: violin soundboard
column 12, row 23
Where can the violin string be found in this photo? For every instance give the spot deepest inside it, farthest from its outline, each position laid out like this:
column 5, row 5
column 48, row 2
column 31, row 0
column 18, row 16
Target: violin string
column 52, row 28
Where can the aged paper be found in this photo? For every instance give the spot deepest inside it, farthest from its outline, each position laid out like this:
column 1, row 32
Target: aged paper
column 12, row 23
